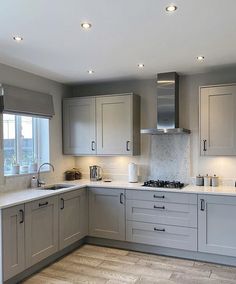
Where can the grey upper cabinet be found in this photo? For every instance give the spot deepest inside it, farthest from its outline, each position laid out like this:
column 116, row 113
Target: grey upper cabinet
column 118, row 125
column 216, row 224
column 41, row 230
column 79, row 126
column 102, row 125
column 73, row 217
column 13, row 241
column 107, row 213
column 217, row 120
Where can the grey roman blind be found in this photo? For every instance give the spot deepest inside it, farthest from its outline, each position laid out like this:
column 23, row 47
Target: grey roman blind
column 16, row 100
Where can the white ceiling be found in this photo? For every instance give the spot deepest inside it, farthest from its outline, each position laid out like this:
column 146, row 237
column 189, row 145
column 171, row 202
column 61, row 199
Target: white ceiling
column 124, row 33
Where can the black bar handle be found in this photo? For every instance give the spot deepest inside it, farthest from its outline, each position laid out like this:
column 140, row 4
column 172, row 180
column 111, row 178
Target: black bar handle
column 43, row 204
column 202, row 205
column 159, row 207
column 204, row 145
column 159, row 230
column 122, row 198
column 93, row 145
column 159, row 196
column 63, row 203
column 22, row 216
column 127, row 146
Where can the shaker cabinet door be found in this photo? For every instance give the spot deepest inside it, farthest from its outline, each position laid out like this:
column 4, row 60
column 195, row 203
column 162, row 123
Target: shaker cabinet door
column 79, row 126
column 217, row 120
column 217, row 225
column 13, row 241
column 73, row 217
column 114, row 125
column 107, row 213
column 41, row 230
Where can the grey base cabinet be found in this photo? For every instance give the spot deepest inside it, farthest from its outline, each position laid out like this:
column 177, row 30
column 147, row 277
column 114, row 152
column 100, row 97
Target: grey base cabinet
column 162, row 218
column 107, row 213
column 41, row 230
column 217, row 224
column 73, row 217
column 162, row 235
column 13, row 241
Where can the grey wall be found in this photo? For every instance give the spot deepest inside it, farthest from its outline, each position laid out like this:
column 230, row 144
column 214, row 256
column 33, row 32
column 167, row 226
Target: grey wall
column 189, row 108
column 26, row 80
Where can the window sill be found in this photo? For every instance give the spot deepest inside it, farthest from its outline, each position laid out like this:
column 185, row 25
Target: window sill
column 25, row 174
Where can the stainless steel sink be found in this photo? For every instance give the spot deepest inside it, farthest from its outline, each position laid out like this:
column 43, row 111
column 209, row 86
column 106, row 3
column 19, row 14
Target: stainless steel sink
column 56, row 186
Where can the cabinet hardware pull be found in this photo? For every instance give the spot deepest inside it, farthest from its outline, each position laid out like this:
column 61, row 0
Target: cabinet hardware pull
column 22, row 216
column 93, row 145
column 122, row 198
column 127, row 146
column 159, row 196
column 204, row 145
column 43, row 204
column 159, row 230
column 63, row 203
column 202, row 205
column 159, row 207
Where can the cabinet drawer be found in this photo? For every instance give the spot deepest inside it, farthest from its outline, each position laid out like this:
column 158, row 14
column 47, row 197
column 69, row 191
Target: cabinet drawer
column 162, row 196
column 162, row 235
column 163, row 213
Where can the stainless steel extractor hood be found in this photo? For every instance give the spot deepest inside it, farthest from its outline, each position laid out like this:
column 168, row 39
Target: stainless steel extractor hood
column 167, row 106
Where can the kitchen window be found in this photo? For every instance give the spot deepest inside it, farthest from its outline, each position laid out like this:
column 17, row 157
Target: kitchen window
column 25, row 143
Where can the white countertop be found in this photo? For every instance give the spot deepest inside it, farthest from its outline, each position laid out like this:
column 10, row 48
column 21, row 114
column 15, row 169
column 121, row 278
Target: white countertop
column 11, row 198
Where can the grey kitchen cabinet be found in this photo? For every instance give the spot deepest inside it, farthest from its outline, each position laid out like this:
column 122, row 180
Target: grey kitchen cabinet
column 162, row 218
column 161, row 212
column 79, row 130
column 216, row 224
column 217, row 120
column 107, row 213
column 73, row 217
column 13, row 241
column 41, row 229
column 162, row 235
column 102, row 125
column 118, row 125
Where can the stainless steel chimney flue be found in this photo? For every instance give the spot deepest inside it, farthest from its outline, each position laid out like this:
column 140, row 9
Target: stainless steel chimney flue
column 167, row 106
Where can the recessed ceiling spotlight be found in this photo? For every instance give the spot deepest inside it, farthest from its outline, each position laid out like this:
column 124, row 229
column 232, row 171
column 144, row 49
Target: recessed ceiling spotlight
column 200, row 58
column 140, row 65
column 91, row 72
column 18, row 38
column 86, row 25
column 171, row 8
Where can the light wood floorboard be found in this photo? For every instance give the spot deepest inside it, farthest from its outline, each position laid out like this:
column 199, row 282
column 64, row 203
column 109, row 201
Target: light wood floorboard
column 93, row 264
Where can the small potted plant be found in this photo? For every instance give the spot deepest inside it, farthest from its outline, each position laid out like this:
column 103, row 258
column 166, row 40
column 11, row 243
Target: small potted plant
column 15, row 167
column 33, row 167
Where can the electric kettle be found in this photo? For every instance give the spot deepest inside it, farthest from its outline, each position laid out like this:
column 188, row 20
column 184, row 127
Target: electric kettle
column 95, row 173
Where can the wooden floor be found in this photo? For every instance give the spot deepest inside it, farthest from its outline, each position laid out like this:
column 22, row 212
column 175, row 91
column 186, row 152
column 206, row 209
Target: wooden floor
column 93, row 264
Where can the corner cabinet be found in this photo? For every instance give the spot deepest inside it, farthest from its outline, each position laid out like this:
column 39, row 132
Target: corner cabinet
column 107, row 213
column 102, row 125
column 73, row 217
column 217, row 120
column 216, row 224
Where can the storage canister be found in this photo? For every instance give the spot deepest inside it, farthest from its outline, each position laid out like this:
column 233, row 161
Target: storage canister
column 199, row 180
column 207, row 180
column 215, row 181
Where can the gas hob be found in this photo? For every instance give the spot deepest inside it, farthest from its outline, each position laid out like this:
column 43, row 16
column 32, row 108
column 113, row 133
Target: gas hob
column 164, row 184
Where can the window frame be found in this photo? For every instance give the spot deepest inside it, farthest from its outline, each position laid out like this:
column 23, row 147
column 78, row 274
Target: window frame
column 36, row 140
